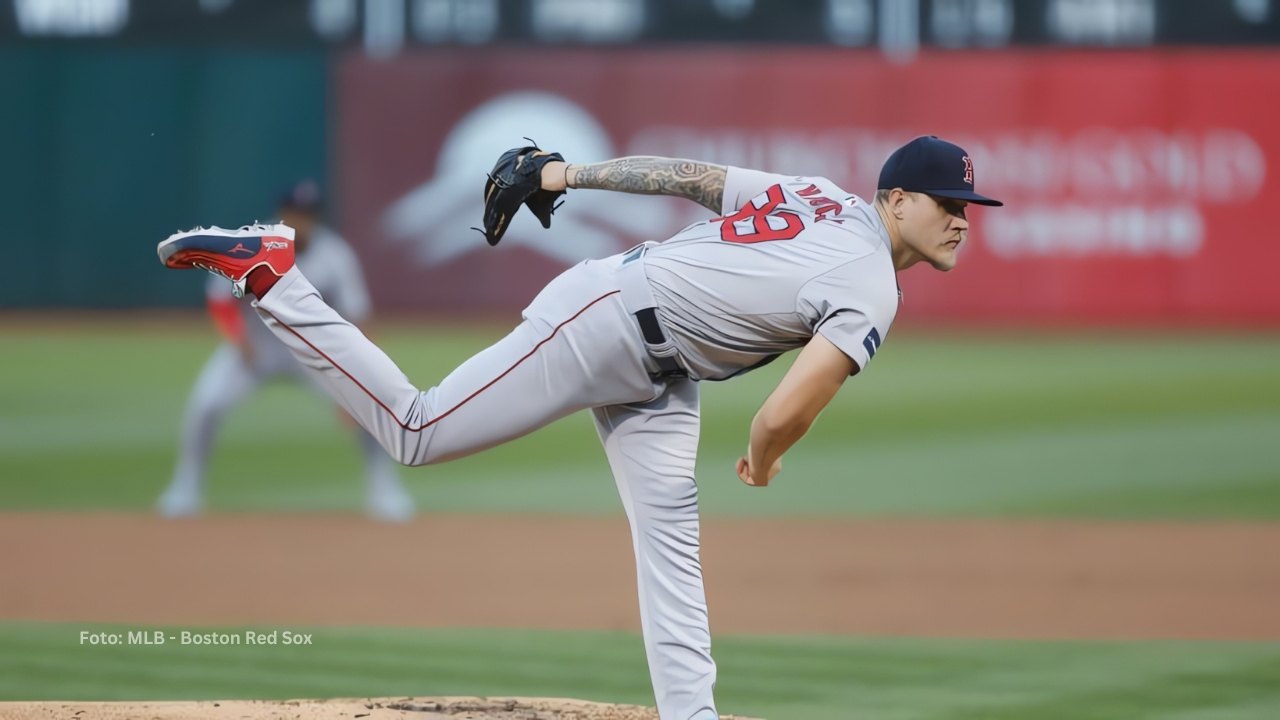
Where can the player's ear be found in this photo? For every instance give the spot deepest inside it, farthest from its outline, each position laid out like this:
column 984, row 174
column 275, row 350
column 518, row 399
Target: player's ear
column 897, row 201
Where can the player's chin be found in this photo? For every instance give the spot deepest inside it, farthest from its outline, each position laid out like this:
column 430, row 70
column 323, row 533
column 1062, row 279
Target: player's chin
column 945, row 259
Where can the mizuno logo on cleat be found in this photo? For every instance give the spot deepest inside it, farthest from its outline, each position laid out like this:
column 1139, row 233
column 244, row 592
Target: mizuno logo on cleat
column 275, row 245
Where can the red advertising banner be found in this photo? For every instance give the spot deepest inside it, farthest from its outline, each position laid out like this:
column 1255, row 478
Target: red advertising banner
column 1137, row 184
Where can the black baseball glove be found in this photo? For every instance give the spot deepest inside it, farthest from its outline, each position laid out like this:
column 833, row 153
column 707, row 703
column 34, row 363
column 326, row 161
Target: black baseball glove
column 516, row 179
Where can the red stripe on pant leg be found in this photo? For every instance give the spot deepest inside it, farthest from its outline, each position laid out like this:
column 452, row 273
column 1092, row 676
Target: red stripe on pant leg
column 466, row 400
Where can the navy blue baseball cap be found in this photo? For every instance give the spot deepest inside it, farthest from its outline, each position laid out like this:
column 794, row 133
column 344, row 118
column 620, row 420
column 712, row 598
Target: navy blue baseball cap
column 934, row 167
column 303, row 195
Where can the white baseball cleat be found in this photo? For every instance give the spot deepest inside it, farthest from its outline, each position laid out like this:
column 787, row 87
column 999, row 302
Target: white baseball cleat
column 390, row 504
column 233, row 254
column 180, row 502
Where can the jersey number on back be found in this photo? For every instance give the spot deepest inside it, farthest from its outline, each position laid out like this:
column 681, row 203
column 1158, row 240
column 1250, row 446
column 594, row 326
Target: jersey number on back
column 754, row 224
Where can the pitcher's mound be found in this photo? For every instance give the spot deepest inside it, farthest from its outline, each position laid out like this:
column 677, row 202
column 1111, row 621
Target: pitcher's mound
column 456, row 708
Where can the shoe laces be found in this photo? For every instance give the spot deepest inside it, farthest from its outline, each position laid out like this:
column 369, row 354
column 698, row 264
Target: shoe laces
column 237, row 286
column 212, row 269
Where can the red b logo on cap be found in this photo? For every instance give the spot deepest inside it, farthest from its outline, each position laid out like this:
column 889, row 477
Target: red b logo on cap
column 968, row 170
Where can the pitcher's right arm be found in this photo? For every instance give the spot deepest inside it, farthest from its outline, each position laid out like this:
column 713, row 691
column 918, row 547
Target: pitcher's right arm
column 790, row 410
column 700, row 182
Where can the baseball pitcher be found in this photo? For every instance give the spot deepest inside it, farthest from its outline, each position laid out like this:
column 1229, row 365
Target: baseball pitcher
column 787, row 263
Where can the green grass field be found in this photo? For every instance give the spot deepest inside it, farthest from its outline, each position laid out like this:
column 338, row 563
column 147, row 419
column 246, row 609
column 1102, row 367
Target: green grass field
column 1089, row 426
column 772, row 677
column 1105, row 425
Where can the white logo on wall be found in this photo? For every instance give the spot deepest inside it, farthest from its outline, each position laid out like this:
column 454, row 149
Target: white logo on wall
column 1135, row 191
column 436, row 216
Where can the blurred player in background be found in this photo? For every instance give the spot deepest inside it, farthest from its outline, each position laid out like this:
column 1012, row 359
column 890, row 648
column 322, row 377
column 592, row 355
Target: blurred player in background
column 251, row 355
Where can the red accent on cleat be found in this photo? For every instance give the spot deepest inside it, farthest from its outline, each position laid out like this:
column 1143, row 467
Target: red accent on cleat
column 260, row 280
column 233, row 254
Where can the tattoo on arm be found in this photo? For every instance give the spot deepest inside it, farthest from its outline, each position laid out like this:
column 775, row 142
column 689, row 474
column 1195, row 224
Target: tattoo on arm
column 702, row 183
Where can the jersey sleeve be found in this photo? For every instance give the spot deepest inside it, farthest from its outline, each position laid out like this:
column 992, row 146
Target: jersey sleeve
column 853, row 333
column 851, row 312
column 740, row 185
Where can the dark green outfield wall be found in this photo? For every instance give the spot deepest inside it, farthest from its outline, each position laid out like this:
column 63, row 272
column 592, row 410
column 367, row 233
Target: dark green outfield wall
column 106, row 150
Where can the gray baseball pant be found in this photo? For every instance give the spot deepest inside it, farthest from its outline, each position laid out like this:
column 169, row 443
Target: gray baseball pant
column 577, row 348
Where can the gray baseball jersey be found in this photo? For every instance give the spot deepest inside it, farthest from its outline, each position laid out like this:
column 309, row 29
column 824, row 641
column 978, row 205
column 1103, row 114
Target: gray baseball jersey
column 795, row 256
column 792, row 257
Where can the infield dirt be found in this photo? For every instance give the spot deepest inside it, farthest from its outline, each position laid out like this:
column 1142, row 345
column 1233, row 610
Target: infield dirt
column 341, row 709
column 958, row 578
column 967, row 578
